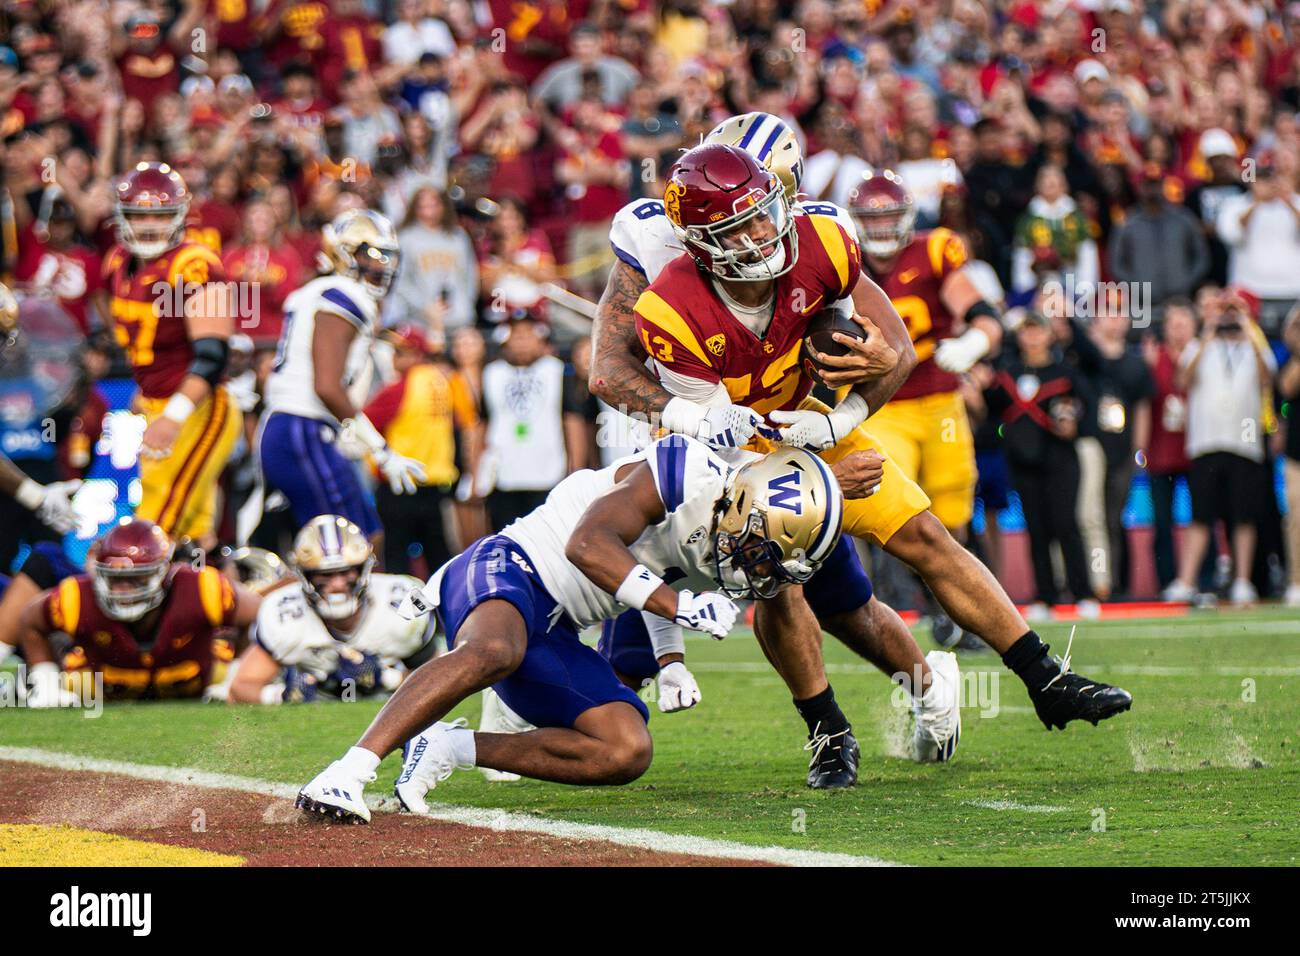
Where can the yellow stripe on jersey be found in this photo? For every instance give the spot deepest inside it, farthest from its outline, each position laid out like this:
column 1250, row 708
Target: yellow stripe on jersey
column 737, row 388
column 215, row 595
column 832, row 237
column 66, row 609
column 654, row 308
column 131, row 309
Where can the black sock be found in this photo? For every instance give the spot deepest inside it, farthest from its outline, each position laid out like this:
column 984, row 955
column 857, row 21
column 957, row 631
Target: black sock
column 822, row 709
column 1027, row 658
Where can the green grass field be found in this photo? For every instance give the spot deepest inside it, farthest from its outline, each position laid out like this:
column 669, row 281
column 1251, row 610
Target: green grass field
column 1202, row 771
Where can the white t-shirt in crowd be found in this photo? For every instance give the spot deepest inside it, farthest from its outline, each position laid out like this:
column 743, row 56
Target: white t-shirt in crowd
column 1225, row 400
column 525, row 423
column 1264, row 257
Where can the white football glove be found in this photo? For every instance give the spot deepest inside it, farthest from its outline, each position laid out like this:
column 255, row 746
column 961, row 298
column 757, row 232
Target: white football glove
column 718, row 426
column 959, row 355
column 52, row 503
column 45, row 688
column 403, row 474
column 815, row 431
column 711, row 613
column 677, row 688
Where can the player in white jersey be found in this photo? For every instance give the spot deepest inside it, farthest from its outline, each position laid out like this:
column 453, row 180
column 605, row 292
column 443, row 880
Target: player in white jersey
column 673, row 530
column 314, row 430
column 335, row 631
column 841, row 597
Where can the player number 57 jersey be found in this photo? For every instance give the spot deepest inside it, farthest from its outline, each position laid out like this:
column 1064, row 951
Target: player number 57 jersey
column 690, row 479
column 292, row 386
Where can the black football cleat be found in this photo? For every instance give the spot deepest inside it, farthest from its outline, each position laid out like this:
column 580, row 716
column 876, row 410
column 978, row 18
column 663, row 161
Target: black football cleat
column 1069, row 696
column 834, row 763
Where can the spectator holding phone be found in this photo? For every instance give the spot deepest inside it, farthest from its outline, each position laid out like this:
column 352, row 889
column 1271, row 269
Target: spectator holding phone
column 1226, row 374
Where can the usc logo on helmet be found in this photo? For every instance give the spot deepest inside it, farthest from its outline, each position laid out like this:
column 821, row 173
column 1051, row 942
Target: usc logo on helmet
column 673, row 202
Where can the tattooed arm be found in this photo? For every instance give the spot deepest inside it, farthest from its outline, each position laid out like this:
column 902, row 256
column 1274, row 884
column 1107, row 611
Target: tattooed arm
column 619, row 374
column 620, row 377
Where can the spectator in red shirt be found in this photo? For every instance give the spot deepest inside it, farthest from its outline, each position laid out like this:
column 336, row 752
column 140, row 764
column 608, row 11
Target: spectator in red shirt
column 261, row 256
column 1167, row 459
column 514, row 262
column 300, row 103
column 54, row 261
column 594, row 171
column 351, row 40
column 146, row 57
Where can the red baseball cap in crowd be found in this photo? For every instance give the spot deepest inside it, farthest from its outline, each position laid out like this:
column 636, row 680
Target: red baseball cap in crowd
column 413, row 337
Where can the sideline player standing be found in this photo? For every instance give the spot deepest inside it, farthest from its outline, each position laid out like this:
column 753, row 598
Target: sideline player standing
column 314, row 430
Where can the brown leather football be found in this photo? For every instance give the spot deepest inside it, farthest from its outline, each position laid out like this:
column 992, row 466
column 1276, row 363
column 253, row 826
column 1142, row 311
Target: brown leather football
column 818, row 334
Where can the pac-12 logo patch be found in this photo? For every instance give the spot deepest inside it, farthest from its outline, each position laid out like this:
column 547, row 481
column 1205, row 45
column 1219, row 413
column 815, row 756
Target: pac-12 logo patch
column 716, row 343
column 783, row 492
column 697, row 535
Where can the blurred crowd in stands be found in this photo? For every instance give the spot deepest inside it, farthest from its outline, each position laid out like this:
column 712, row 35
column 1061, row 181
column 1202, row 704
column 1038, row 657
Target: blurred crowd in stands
column 1124, row 172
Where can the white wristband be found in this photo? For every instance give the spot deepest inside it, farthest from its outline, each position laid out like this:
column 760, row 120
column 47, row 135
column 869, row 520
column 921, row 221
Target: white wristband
column 30, row 494
column 637, row 587
column 849, row 414
column 364, row 431
column 273, row 694
column 178, row 408
column 682, row 416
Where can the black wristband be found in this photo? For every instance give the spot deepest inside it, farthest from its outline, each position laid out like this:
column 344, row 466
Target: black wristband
column 209, row 362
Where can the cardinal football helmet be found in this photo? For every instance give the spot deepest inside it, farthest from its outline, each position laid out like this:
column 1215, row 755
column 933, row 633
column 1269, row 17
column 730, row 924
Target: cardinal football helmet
column 136, row 553
column 884, row 212
column 151, row 189
column 731, row 214
column 780, row 519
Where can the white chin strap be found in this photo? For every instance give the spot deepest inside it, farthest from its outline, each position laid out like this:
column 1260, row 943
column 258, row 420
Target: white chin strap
column 767, row 269
column 149, row 250
column 883, row 248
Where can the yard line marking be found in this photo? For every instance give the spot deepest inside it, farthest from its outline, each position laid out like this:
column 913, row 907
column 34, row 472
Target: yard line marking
column 492, row 819
column 1012, row 805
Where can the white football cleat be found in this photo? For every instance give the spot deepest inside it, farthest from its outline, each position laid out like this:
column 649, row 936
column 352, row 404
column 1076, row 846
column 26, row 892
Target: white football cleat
column 1243, row 593
column 1178, row 593
column 500, row 719
column 1088, row 609
column 428, row 758
column 1292, row 600
column 938, row 711
column 336, row 793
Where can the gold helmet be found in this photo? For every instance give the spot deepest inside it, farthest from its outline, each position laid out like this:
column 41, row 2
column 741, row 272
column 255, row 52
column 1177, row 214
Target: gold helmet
column 258, row 568
column 328, row 545
column 8, row 318
column 362, row 245
column 769, row 140
column 778, row 522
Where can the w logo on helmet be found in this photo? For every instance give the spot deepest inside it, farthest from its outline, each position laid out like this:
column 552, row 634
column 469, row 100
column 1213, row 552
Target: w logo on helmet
column 783, row 492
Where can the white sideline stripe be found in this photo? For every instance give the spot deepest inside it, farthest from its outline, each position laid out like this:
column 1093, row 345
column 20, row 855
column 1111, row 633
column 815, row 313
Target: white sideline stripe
column 500, row 820
column 1130, row 670
column 1012, row 805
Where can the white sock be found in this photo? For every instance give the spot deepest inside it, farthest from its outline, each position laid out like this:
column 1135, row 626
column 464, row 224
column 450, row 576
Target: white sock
column 360, row 761
column 462, row 742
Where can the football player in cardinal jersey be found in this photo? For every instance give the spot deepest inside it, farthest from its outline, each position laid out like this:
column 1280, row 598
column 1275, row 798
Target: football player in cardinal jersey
column 337, row 623
column 645, row 242
column 171, row 313
column 924, row 427
column 143, row 622
column 698, row 326
column 673, row 529
column 314, row 430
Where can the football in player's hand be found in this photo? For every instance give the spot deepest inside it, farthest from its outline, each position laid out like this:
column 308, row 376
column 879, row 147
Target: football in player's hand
column 818, row 335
